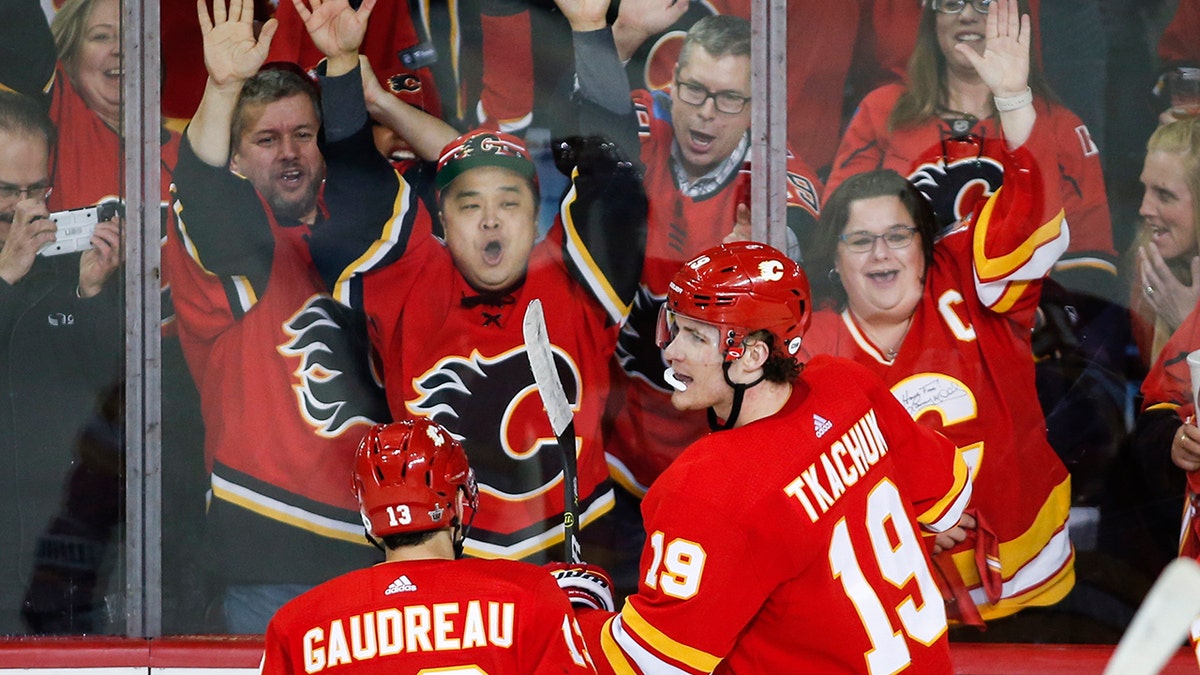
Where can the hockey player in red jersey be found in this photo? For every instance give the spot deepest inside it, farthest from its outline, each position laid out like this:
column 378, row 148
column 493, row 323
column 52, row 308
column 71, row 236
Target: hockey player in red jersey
column 421, row 610
column 946, row 323
column 694, row 142
column 445, row 314
column 786, row 542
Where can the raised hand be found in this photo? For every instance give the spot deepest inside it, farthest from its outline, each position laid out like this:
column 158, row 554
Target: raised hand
column 98, row 263
column 31, row 229
column 651, row 16
column 584, row 15
column 639, row 19
column 232, row 53
column 1004, row 65
column 336, row 28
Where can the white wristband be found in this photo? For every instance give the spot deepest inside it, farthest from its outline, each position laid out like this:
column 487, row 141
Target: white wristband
column 1009, row 103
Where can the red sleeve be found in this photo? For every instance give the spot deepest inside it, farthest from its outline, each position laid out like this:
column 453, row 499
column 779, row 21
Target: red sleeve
column 1169, row 379
column 290, row 38
column 1018, row 230
column 1179, row 41
column 506, row 101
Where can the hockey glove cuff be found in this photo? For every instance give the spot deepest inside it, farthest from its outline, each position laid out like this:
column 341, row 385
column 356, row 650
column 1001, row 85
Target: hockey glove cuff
column 587, row 586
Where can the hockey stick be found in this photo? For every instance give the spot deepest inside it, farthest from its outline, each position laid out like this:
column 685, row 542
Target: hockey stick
column 1161, row 623
column 562, row 420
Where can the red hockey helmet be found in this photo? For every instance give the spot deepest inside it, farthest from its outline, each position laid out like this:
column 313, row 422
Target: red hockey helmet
column 741, row 287
column 407, row 475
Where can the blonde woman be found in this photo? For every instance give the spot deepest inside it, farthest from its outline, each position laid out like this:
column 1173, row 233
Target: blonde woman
column 1166, row 266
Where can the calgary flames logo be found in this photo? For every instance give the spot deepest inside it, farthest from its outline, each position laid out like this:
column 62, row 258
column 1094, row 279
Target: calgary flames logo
column 492, row 406
column 336, row 387
column 955, row 185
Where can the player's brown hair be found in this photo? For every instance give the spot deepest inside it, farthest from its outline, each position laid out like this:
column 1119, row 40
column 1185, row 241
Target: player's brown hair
column 780, row 367
column 275, row 82
column 719, row 35
column 926, row 94
column 835, row 214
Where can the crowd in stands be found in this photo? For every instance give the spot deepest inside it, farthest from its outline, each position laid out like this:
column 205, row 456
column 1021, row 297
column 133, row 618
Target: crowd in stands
column 351, row 242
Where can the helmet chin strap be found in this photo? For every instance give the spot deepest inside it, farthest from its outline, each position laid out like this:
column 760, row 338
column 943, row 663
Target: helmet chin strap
column 739, row 392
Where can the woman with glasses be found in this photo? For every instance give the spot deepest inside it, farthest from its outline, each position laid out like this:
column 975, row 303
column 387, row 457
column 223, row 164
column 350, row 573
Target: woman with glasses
column 942, row 130
column 946, row 323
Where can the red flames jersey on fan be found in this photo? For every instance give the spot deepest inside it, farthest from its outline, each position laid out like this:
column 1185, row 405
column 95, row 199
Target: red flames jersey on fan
column 966, row 368
column 789, row 545
column 429, row 616
column 466, row 368
column 646, row 432
column 1170, row 379
column 949, row 171
column 285, row 383
column 458, row 357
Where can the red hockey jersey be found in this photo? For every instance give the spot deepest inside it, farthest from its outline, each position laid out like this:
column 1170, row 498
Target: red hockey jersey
column 429, row 616
column 955, row 174
column 1170, row 380
column 644, row 433
column 285, row 381
column 458, row 357
column 966, row 368
column 790, row 545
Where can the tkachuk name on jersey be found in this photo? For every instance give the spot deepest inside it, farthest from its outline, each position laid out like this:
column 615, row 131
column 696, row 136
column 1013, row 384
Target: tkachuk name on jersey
column 414, row 628
column 844, row 464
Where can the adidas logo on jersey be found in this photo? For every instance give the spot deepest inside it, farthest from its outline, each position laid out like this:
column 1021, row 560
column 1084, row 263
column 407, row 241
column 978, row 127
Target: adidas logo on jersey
column 821, row 425
column 400, row 585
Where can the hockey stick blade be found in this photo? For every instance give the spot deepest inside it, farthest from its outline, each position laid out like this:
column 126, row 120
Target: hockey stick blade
column 562, row 419
column 1161, row 623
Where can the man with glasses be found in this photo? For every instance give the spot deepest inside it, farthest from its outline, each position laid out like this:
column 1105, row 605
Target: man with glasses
column 694, row 143
column 60, row 343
